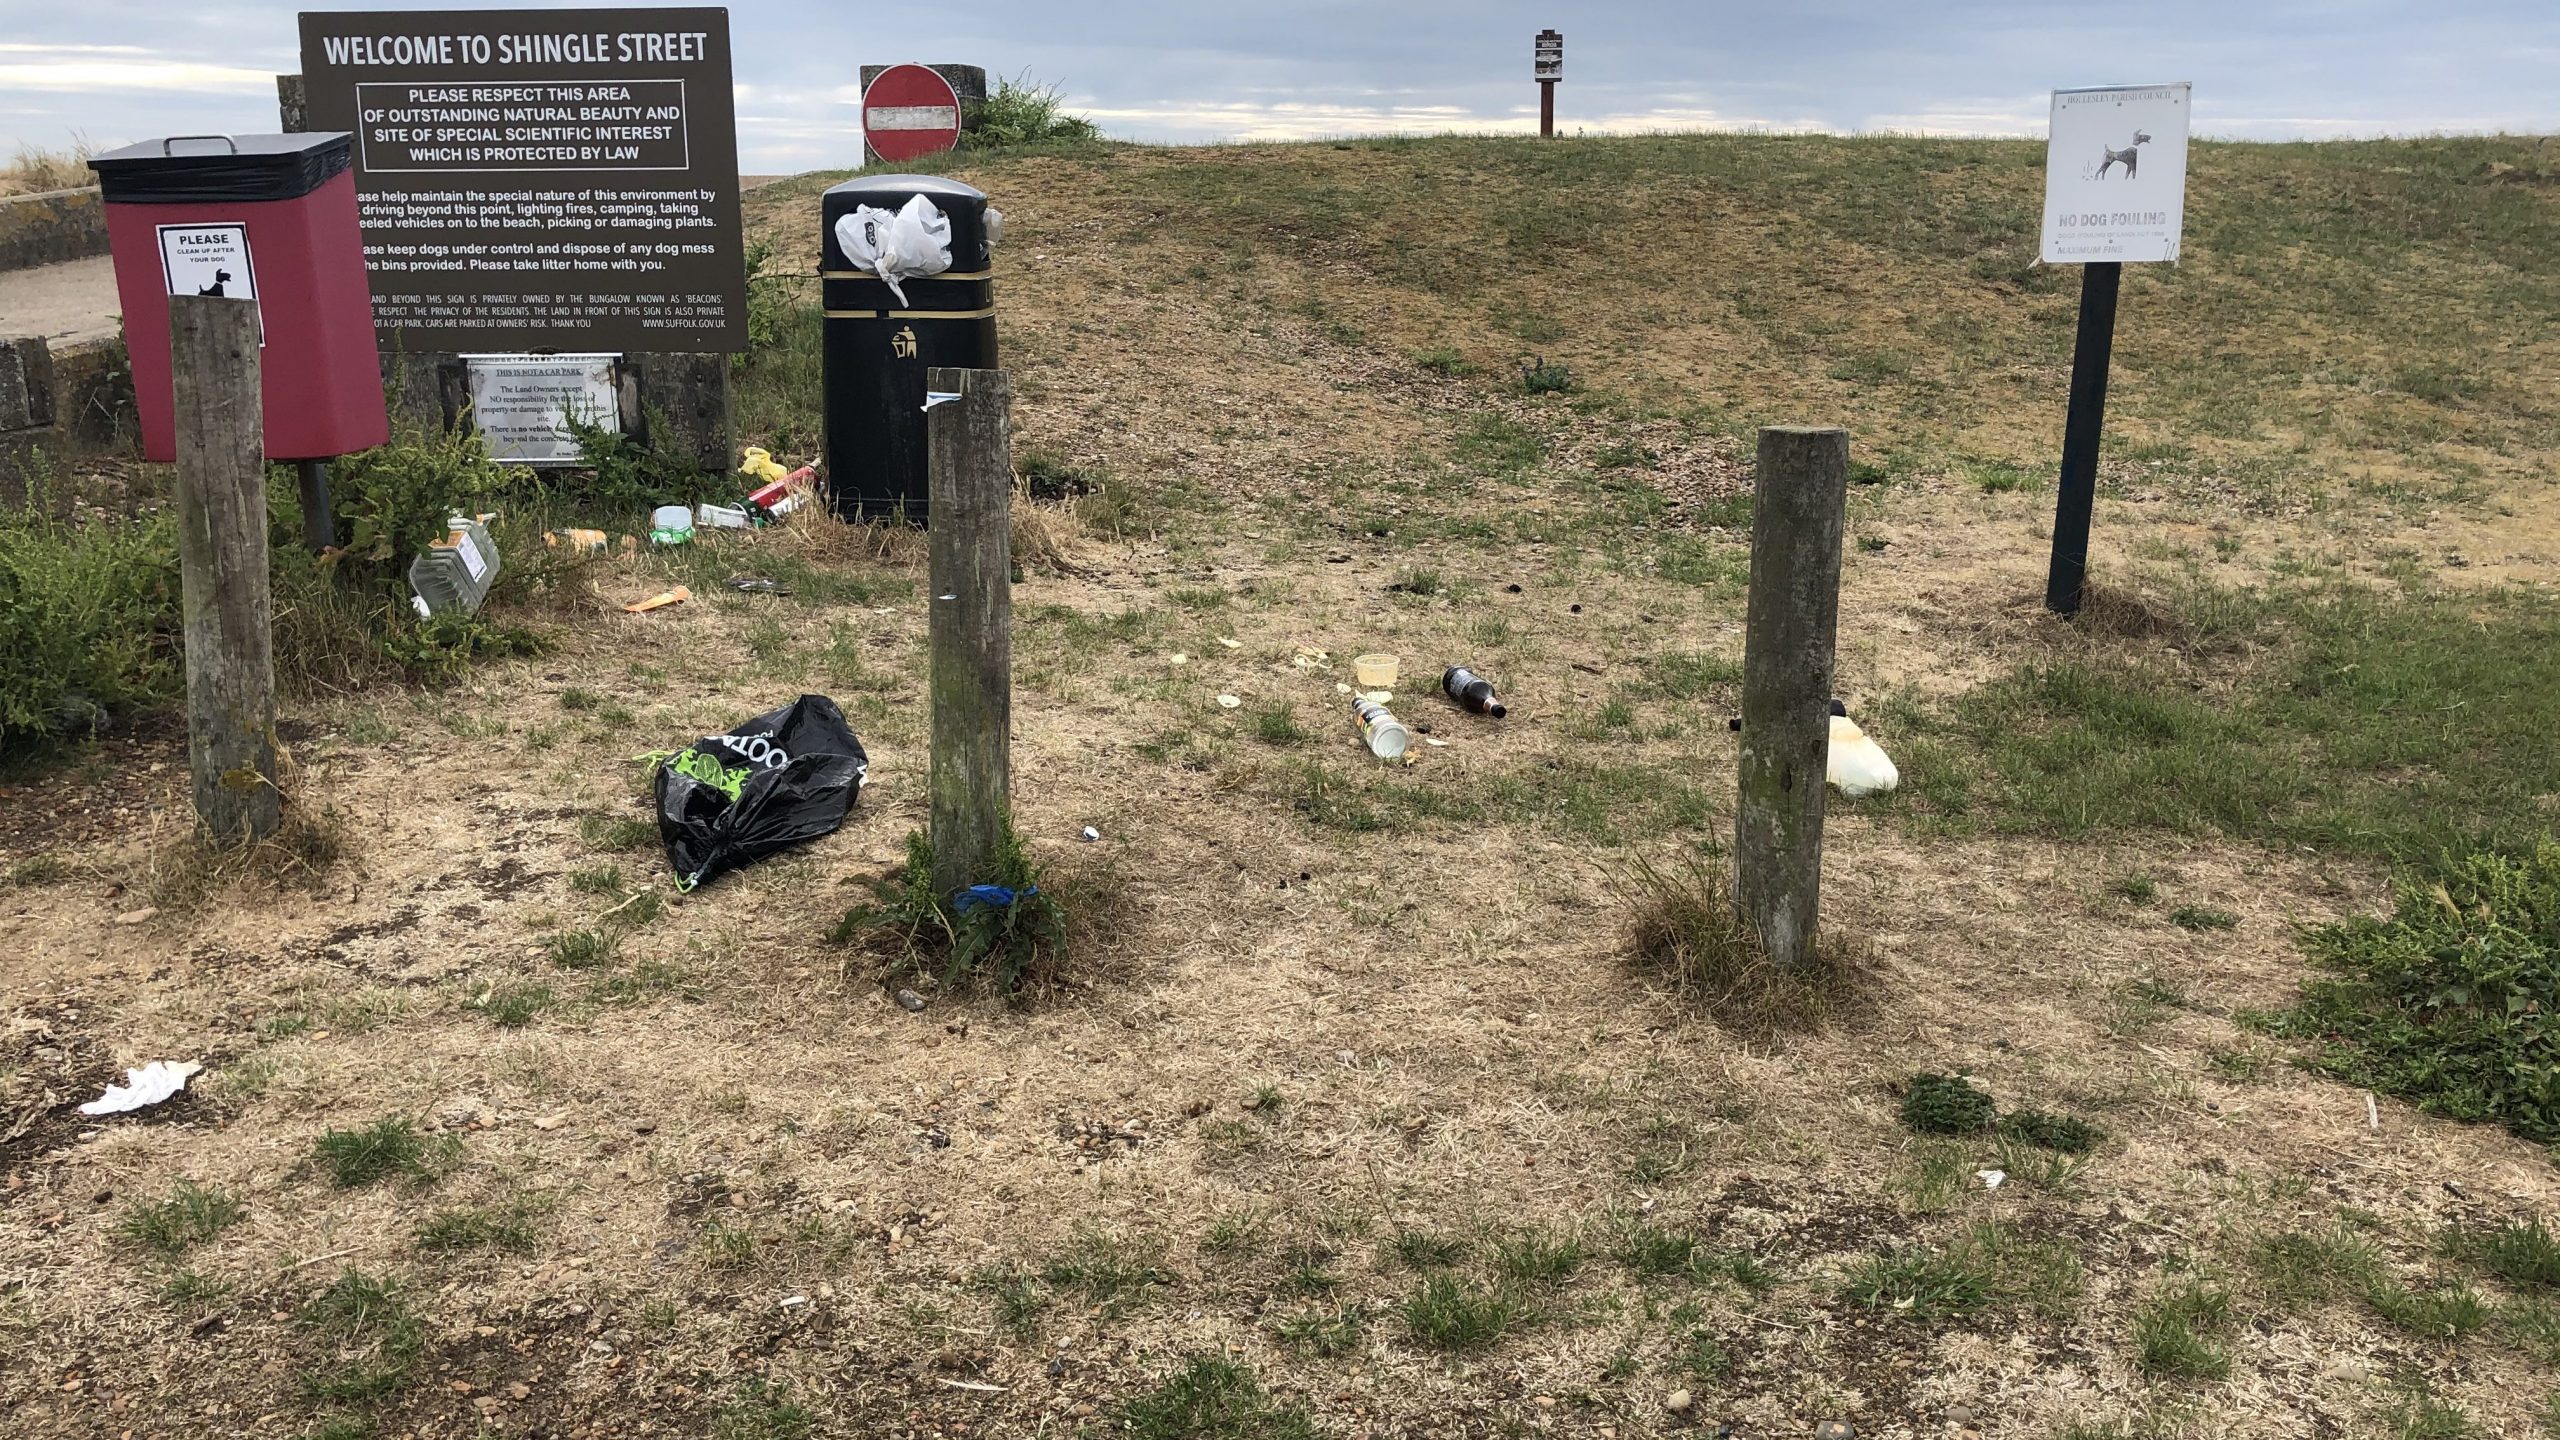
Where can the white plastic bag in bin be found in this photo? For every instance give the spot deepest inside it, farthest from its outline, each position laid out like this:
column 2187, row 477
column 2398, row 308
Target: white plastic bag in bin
column 915, row 241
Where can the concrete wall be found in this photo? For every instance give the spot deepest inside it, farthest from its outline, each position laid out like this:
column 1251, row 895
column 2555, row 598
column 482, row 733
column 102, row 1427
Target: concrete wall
column 51, row 227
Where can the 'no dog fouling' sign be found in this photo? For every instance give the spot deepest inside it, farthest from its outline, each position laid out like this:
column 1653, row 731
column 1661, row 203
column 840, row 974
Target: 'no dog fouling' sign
column 2115, row 173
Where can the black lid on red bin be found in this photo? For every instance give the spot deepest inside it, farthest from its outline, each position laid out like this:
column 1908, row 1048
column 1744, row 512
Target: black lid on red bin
column 185, row 169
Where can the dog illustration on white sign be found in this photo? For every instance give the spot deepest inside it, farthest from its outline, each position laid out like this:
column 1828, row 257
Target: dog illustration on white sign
column 2130, row 155
column 220, row 279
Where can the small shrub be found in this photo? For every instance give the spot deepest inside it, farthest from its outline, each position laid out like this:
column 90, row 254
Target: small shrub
column 1020, row 111
column 2067, row 1133
column 2448, row 1003
column 981, row 937
column 387, row 1147
column 88, row 620
column 1540, row 377
column 192, row 1215
column 1449, row 1313
column 1212, row 1398
column 1946, row 1105
column 1444, row 361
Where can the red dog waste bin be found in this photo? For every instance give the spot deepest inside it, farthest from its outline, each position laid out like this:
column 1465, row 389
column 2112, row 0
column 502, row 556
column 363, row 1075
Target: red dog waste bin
column 269, row 217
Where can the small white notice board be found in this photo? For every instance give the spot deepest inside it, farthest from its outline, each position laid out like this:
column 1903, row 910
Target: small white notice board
column 2115, row 173
column 522, row 403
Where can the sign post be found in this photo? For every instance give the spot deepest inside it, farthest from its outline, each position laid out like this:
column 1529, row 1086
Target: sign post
column 909, row 112
column 2115, row 188
column 1549, row 63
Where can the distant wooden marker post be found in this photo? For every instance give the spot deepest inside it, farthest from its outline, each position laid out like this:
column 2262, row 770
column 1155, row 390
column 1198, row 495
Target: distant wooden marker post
column 1548, row 58
column 2115, row 190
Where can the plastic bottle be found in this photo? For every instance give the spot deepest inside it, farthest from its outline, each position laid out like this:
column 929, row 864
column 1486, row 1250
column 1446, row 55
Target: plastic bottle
column 1472, row 692
column 1386, row 734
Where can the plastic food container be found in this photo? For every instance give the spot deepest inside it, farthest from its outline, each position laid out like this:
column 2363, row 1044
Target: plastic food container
column 1374, row 672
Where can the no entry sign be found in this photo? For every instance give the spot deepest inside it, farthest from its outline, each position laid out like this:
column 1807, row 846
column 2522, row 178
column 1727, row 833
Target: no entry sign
column 910, row 112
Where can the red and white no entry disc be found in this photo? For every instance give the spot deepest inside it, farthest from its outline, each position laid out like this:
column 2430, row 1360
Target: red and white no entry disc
column 910, row 112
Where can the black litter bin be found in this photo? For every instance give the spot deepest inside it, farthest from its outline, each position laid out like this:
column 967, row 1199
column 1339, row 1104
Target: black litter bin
column 878, row 346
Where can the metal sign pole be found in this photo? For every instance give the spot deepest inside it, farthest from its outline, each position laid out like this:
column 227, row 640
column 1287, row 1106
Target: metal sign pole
column 2091, row 352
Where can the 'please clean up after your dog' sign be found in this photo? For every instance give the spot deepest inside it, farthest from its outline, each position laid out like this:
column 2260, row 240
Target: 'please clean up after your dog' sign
column 2115, row 173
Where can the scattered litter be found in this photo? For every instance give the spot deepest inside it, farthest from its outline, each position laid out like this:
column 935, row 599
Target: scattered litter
column 980, row 1386
column 1384, row 734
column 1307, row 658
column 1427, row 740
column 453, row 575
column 1092, row 834
column 2372, row 1112
column 659, row 601
column 1229, row 701
column 1990, row 1178
column 911, row 1002
column 723, row 517
column 1472, row 692
column 989, row 897
column 1585, row 668
column 1381, row 697
column 577, row 542
column 143, row 1088
column 1181, row 659
column 136, row 917
column 786, row 494
column 914, row 241
column 791, row 1301
column 1858, row 765
column 1341, row 688
column 780, row 779
column 1374, row 672
column 1230, row 644
column 757, row 461
column 756, row 585
column 939, row 397
column 671, row 525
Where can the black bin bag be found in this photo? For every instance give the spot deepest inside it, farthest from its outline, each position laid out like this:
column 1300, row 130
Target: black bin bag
column 785, row 777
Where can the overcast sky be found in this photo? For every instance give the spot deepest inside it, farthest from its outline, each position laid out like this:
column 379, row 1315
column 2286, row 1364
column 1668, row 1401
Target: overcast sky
column 113, row 71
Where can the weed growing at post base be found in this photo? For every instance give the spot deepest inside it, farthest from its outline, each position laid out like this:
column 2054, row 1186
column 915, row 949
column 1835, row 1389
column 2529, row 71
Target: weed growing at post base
column 1007, row 943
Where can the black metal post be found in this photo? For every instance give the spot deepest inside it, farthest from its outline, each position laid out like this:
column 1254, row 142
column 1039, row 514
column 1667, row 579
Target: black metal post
column 319, row 527
column 2091, row 352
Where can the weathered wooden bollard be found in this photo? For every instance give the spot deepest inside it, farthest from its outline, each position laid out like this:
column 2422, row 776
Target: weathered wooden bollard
column 969, row 490
column 222, row 565
column 1786, row 684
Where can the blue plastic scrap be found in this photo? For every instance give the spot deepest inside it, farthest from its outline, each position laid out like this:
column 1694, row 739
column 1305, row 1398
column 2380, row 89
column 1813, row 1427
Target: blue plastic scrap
column 990, row 896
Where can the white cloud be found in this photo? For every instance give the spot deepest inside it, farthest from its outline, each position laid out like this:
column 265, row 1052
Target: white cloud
column 78, row 74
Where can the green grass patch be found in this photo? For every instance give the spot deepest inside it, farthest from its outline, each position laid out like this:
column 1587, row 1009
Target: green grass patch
column 1935, row 1104
column 1212, row 1398
column 2179, row 1332
column 477, row 1227
column 369, row 1340
column 373, row 1153
column 190, row 1216
column 2452, row 1003
column 1450, row 1312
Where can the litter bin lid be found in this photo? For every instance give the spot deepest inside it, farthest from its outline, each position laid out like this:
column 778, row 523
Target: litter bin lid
column 188, row 168
column 906, row 185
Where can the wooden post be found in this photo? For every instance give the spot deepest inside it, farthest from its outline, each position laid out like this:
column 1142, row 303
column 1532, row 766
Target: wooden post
column 1786, row 684
column 969, row 491
column 222, row 565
